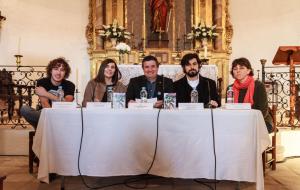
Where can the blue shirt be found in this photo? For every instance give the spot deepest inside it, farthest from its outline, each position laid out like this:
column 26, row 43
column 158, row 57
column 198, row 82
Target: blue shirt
column 151, row 89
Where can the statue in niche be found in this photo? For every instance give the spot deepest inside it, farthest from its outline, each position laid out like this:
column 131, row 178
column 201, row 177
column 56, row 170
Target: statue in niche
column 160, row 11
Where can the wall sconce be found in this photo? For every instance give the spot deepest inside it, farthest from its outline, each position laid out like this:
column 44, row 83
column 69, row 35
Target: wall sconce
column 2, row 18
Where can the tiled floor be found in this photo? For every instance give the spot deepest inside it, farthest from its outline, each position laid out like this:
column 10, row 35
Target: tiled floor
column 286, row 177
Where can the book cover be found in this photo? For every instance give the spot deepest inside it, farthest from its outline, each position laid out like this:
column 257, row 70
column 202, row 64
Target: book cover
column 118, row 100
column 169, row 100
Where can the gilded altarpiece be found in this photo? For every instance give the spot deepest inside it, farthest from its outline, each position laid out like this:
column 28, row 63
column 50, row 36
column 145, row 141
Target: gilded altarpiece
column 167, row 43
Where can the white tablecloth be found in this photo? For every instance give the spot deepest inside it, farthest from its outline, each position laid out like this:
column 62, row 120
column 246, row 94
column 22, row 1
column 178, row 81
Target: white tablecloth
column 122, row 142
column 171, row 71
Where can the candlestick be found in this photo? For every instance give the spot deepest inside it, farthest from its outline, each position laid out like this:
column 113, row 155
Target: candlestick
column 178, row 30
column 132, row 23
column 159, row 38
column 18, row 59
column 205, row 52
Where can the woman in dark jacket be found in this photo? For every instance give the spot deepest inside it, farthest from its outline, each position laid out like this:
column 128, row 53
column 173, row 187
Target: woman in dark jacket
column 248, row 90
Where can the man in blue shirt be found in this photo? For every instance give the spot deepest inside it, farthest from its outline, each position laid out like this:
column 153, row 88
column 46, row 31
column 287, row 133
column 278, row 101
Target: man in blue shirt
column 156, row 85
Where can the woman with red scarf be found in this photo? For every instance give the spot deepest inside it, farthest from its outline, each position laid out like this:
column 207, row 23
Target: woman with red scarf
column 248, row 90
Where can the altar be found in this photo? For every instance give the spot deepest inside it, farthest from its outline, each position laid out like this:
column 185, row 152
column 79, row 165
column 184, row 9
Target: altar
column 166, row 39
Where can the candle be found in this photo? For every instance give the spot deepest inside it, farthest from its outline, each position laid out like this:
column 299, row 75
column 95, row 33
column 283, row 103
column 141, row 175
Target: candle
column 185, row 29
column 132, row 23
column 19, row 45
column 205, row 52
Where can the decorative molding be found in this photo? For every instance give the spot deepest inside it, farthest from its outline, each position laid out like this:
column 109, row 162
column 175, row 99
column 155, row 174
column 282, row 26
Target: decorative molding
column 229, row 29
column 89, row 29
column 2, row 18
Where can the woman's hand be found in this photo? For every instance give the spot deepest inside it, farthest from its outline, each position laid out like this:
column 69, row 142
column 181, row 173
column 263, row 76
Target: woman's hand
column 213, row 103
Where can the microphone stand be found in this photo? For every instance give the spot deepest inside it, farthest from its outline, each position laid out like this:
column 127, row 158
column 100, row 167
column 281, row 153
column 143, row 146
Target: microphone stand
column 163, row 91
column 209, row 98
column 76, row 97
column 213, row 133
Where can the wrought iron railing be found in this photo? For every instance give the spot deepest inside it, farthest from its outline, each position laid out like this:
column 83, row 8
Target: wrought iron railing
column 19, row 91
column 279, row 77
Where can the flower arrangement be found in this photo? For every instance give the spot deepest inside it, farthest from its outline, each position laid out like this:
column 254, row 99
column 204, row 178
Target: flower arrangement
column 200, row 32
column 114, row 30
column 123, row 48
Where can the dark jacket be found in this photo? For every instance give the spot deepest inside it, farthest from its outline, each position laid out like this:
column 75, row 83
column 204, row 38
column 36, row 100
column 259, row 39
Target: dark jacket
column 206, row 88
column 260, row 99
column 163, row 85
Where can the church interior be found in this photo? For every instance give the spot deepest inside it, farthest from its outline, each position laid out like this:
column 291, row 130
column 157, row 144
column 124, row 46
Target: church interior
column 33, row 32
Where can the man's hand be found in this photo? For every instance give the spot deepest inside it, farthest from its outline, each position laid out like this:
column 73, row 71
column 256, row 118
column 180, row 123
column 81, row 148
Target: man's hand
column 158, row 104
column 41, row 91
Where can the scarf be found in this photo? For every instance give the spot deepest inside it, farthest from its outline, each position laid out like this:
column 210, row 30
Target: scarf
column 249, row 85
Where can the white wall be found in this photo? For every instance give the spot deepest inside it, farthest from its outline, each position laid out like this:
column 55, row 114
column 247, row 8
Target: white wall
column 260, row 26
column 46, row 29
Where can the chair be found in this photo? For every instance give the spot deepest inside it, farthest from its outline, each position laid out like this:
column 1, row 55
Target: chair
column 32, row 156
column 271, row 150
column 2, row 178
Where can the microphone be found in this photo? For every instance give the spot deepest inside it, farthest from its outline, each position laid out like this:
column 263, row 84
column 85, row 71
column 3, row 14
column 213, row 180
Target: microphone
column 209, row 98
column 76, row 96
column 163, row 90
column 163, row 84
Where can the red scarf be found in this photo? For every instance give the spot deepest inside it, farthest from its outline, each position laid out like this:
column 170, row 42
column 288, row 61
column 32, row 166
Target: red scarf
column 249, row 85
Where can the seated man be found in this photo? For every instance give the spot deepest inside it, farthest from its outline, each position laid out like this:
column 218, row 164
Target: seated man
column 155, row 84
column 206, row 88
column 47, row 89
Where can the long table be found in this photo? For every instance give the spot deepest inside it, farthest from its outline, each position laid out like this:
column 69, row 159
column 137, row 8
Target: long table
column 122, row 142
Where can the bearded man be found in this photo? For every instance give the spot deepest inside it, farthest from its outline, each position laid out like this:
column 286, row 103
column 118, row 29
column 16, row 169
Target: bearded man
column 206, row 88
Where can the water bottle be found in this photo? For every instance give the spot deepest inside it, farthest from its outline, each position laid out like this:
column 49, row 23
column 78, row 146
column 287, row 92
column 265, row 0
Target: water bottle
column 194, row 96
column 60, row 93
column 230, row 95
column 109, row 94
column 143, row 95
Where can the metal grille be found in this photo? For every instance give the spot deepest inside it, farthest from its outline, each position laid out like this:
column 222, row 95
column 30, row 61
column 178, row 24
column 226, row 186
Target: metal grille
column 18, row 91
column 279, row 94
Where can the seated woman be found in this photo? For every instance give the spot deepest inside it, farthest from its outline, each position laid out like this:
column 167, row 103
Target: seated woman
column 248, row 90
column 108, row 76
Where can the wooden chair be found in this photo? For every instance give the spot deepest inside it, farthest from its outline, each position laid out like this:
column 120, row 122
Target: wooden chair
column 32, row 156
column 271, row 150
column 2, row 178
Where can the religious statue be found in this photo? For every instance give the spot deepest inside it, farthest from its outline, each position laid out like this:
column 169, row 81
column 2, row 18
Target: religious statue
column 160, row 12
